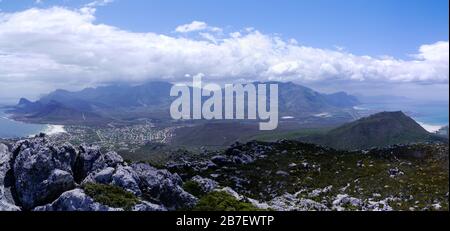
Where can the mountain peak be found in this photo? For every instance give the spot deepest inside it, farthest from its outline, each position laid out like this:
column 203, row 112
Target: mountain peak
column 378, row 130
column 24, row 102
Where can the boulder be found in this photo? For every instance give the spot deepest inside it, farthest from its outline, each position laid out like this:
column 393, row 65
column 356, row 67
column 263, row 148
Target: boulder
column 343, row 200
column 91, row 159
column 220, row 160
column 42, row 172
column 395, row 172
column 128, row 179
column 145, row 206
column 163, row 186
column 6, row 200
column 75, row 200
column 88, row 160
column 103, row 176
column 112, row 159
column 207, row 185
column 291, row 202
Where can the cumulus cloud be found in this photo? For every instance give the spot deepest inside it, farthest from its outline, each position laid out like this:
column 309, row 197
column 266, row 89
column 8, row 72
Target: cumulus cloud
column 61, row 48
column 193, row 26
column 196, row 26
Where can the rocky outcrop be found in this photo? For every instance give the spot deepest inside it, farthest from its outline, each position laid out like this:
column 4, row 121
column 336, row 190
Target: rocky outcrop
column 91, row 159
column 207, row 185
column 145, row 206
column 42, row 172
column 75, row 200
column 163, row 186
column 6, row 200
column 127, row 178
column 40, row 176
column 103, row 176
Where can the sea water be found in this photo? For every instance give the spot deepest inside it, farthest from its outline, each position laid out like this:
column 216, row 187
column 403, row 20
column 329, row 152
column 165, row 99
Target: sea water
column 431, row 115
column 14, row 129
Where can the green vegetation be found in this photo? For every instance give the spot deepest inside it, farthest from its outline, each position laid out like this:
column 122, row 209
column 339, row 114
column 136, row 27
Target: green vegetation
column 423, row 184
column 193, row 188
column 222, row 201
column 289, row 135
column 110, row 195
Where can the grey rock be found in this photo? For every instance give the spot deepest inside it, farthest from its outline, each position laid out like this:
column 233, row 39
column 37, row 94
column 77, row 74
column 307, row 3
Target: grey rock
column 207, row 185
column 6, row 201
column 91, row 159
column 394, row 172
column 42, row 172
column 88, row 160
column 243, row 159
column 145, row 206
column 5, row 158
column 75, row 200
column 282, row 173
column 127, row 178
column 103, row 176
column 220, row 160
column 163, row 186
column 231, row 192
column 342, row 200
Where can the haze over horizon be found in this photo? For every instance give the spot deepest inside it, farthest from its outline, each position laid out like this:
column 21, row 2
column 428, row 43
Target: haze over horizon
column 48, row 45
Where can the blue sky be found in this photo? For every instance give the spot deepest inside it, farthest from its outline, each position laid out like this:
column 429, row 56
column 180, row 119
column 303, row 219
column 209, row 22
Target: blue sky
column 363, row 27
column 365, row 47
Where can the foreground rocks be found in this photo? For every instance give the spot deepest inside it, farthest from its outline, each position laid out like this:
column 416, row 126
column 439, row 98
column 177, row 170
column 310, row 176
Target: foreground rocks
column 37, row 175
column 6, row 200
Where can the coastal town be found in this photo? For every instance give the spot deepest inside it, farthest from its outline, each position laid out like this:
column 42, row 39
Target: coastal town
column 126, row 138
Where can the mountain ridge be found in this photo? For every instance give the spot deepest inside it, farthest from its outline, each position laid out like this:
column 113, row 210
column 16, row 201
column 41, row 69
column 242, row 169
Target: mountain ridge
column 377, row 130
column 153, row 98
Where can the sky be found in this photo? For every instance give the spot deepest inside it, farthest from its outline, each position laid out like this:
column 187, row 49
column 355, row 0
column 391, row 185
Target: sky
column 366, row 47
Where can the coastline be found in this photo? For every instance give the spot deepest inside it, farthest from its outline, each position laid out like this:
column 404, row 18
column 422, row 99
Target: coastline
column 54, row 129
column 432, row 128
column 19, row 129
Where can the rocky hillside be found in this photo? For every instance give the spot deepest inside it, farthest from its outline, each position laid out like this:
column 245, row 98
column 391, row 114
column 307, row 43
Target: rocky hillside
column 37, row 175
column 378, row 130
column 290, row 175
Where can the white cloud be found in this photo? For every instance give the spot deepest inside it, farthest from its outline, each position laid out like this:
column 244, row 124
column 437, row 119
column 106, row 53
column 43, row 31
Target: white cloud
column 193, row 26
column 97, row 3
column 43, row 49
column 196, row 26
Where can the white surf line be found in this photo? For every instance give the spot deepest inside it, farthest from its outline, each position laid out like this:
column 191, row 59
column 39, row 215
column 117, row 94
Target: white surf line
column 54, row 129
column 430, row 127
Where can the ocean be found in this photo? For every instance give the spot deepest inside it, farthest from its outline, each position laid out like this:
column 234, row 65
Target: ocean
column 14, row 129
column 431, row 115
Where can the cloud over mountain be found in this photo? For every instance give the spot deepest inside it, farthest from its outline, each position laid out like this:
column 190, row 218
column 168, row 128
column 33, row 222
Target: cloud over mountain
column 60, row 47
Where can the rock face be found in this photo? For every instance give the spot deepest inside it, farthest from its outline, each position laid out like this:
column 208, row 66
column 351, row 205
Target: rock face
column 37, row 175
column 42, row 172
column 242, row 154
column 145, row 206
column 163, row 186
column 75, row 200
column 91, row 159
column 127, row 178
column 6, row 201
column 207, row 185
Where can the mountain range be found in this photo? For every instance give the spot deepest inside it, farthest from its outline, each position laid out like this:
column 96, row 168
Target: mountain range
column 152, row 100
